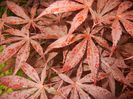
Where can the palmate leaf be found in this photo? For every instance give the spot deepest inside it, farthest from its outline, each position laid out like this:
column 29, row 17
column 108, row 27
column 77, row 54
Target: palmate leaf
column 107, row 5
column 89, row 77
column 76, row 88
column 77, row 53
column 35, row 89
column 67, row 6
column 124, row 17
column 24, row 40
column 114, row 73
column 104, row 11
column 17, row 10
column 79, row 58
column 98, row 92
column 22, row 18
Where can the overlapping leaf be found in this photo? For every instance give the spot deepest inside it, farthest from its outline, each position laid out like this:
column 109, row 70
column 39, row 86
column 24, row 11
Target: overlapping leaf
column 66, row 6
column 76, row 88
column 23, row 43
column 79, row 56
column 35, row 89
column 124, row 17
column 104, row 13
column 22, row 18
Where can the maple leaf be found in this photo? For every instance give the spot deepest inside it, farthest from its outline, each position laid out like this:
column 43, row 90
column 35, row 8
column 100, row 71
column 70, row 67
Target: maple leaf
column 122, row 16
column 79, row 89
column 22, row 18
column 82, row 57
column 84, row 48
column 103, row 12
column 110, row 65
column 106, row 66
column 67, row 6
column 22, row 47
column 92, row 55
column 63, row 42
column 30, row 89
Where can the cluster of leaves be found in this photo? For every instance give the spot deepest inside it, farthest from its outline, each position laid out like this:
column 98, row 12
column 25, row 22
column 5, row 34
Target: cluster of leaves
column 67, row 49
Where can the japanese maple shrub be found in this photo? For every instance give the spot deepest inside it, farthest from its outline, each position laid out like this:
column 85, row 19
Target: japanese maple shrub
column 67, row 49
